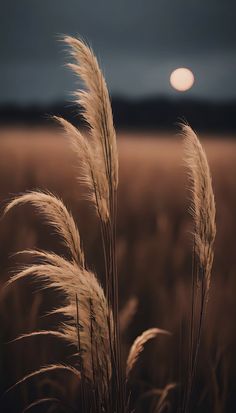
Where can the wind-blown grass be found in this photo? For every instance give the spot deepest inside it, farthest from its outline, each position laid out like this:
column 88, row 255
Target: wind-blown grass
column 90, row 311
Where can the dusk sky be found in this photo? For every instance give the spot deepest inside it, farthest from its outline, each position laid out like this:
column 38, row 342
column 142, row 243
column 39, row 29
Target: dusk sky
column 138, row 42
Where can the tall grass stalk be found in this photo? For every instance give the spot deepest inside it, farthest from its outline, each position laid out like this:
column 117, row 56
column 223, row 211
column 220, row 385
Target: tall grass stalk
column 204, row 213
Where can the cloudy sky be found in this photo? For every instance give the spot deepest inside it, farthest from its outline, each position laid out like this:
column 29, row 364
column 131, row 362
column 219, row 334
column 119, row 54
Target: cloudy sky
column 138, row 42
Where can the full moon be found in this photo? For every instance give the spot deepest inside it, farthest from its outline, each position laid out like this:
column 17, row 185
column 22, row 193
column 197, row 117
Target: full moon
column 182, row 79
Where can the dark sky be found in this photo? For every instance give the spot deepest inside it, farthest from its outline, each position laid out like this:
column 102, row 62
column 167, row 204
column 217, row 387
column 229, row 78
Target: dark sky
column 138, row 42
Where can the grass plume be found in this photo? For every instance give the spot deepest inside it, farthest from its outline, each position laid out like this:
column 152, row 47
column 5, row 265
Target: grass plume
column 204, row 214
column 138, row 347
column 56, row 214
column 203, row 202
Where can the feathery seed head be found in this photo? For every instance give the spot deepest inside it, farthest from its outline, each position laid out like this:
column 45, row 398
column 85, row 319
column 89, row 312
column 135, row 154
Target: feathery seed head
column 97, row 111
column 82, row 292
column 57, row 215
column 138, row 346
column 203, row 202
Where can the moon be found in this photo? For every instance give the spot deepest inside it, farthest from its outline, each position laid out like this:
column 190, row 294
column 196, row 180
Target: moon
column 182, row 79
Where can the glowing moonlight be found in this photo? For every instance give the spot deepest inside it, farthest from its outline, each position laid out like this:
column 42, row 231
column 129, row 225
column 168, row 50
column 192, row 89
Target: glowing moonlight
column 182, row 79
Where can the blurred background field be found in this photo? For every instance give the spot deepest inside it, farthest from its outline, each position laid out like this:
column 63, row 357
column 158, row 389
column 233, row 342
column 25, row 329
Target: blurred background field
column 154, row 260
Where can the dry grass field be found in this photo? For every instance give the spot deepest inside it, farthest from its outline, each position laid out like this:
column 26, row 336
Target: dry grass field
column 154, row 263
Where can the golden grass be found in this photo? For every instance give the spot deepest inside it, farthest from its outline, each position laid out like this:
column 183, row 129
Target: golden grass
column 138, row 346
column 91, row 321
column 57, row 215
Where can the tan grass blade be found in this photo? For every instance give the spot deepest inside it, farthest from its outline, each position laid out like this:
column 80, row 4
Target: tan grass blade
column 52, row 367
column 57, row 215
column 53, row 333
column 96, row 103
column 91, row 169
column 74, row 281
column 97, row 112
column 203, row 202
column 41, row 401
column 138, row 347
column 163, row 397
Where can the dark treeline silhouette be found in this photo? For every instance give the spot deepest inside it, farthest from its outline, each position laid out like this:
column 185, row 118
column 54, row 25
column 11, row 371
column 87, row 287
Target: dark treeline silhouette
column 146, row 114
